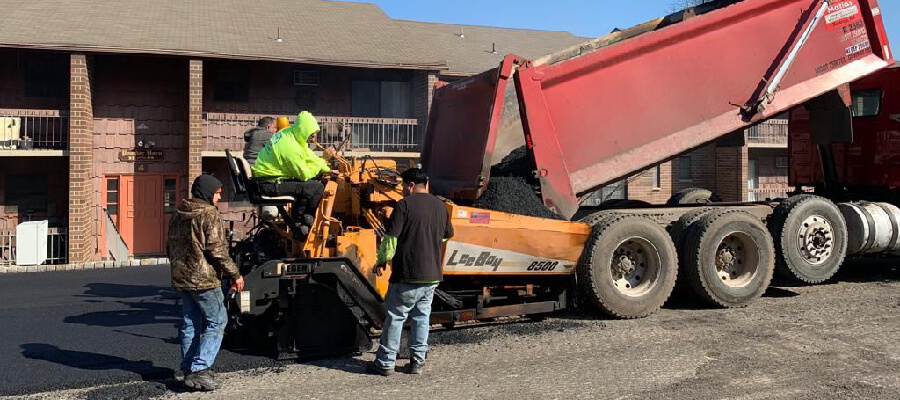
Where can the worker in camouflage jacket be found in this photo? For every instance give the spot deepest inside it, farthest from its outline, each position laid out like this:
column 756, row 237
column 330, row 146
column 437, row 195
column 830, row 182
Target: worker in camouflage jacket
column 198, row 253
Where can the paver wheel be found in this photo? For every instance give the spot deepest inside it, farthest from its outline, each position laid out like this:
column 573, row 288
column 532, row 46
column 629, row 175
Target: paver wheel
column 628, row 267
column 810, row 236
column 728, row 258
column 693, row 196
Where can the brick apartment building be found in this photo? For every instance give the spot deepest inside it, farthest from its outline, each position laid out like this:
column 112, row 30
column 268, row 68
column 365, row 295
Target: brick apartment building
column 107, row 114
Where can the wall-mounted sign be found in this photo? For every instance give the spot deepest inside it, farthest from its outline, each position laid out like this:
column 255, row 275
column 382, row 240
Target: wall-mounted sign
column 140, row 155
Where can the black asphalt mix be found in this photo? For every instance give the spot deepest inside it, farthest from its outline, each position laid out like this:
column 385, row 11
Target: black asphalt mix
column 87, row 328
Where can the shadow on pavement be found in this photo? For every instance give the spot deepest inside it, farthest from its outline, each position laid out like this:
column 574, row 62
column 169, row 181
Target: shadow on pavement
column 139, row 313
column 159, row 305
column 120, row 291
column 94, row 361
column 869, row 269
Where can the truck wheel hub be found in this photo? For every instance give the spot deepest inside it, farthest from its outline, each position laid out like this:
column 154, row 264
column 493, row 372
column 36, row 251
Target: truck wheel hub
column 634, row 267
column 815, row 239
column 737, row 259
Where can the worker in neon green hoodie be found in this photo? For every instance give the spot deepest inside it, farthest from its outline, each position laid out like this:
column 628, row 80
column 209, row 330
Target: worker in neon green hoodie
column 287, row 167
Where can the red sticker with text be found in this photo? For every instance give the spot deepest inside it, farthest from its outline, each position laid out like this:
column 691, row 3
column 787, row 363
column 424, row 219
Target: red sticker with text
column 480, row 218
column 842, row 13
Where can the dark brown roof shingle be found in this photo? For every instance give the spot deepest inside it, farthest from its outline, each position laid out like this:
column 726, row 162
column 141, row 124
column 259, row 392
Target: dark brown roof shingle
column 472, row 54
column 314, row 31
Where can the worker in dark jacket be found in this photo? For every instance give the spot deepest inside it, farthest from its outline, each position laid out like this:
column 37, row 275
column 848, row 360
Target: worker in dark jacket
column 412, row 240
column 198, row 253
column 256, row 138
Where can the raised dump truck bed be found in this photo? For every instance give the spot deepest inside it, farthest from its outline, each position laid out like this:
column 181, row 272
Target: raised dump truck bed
column 587, row 115
column 611, row 107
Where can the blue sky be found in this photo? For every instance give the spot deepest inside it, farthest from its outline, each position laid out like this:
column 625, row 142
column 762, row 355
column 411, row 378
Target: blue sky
column 589, row 18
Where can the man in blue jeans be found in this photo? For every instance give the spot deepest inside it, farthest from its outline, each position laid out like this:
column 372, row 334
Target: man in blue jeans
column 412, row 241
column 198, row 253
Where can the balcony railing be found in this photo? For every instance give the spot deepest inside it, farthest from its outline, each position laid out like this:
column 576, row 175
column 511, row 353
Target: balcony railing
column 22, row 129
column 776, row 192
column 57, row 246
column 226, row 131
column 771, row 133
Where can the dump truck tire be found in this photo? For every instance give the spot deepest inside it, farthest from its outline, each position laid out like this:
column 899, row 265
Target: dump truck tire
column 628, row 267
column 728, row 258
column 677, row 231
column 810, row 236
column 693, row 196
column 597, row 217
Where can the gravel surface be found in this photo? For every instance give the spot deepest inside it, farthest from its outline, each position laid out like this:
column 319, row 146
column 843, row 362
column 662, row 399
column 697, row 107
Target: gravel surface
column 835, row 341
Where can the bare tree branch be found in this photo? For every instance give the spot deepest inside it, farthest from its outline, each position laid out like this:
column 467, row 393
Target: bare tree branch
column 678, row 5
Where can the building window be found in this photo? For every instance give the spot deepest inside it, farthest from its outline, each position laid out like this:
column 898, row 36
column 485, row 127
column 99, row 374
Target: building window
column 306, row 77
column 684, row 168
column 231, row 84
column 27, row 192
column 781, row 162
column 112, row 198
column 45, row 75
column 657, row 177
column 385, row 99
column 866, row 103
column 169, row 195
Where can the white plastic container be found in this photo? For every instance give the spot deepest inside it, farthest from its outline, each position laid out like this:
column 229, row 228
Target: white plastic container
column 31, row 242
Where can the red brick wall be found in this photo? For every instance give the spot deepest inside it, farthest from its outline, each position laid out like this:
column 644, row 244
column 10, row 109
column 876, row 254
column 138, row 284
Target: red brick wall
column 722, row 170
column 769, row 174
column 641, row 186
column 731, row 173
column 703, row 170
column 423, row 92
column 195, row 121
column 82, row 235
column 12, row 84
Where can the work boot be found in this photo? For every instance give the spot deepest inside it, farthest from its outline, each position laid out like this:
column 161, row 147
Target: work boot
column 414, row 368
column 374, row 369
column 201, row 380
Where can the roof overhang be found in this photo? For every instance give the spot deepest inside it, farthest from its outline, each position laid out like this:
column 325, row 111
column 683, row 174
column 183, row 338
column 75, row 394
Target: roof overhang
column 439, row 66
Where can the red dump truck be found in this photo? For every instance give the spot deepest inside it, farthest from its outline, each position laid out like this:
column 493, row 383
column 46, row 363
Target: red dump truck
column 587, row 116
column 610, row 107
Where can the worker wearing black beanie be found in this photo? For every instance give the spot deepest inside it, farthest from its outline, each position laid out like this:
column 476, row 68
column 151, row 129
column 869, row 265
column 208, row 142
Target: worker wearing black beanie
column 198, row 253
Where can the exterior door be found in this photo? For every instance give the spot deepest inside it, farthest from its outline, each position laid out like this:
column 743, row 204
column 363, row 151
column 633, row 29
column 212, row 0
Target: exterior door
column 141, row 213
column 752, row 180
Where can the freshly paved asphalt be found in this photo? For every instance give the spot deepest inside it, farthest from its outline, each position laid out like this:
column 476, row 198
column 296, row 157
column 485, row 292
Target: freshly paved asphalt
column 85, row 328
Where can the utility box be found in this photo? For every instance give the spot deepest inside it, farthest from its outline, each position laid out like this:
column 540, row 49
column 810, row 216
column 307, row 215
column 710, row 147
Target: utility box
column 31, row 242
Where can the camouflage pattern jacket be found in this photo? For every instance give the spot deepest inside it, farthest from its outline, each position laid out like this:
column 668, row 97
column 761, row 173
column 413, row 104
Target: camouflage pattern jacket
column 197, row 247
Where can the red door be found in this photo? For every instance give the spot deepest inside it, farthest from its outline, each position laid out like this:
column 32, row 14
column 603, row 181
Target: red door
column 141, row 211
